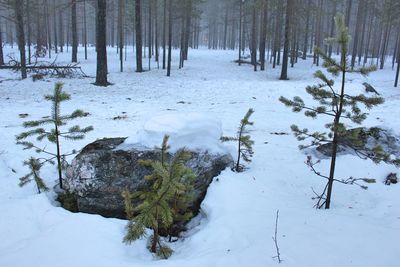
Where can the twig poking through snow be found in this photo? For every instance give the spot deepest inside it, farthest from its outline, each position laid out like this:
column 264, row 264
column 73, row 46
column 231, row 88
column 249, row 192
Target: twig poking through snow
column 275, row 238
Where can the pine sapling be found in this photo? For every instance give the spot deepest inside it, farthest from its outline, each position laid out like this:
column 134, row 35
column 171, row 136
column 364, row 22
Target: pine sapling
column 34, row 175
column 157, row 210
column 55, row 134
column 337, row 104
column 245, row 144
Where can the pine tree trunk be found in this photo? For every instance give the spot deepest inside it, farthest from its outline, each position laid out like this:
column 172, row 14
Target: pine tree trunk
column 384, row 45
column 364, row 25
column 85, row 29
column 169, row 37
column 19, row 17
column 263, row 33
column 188, row 24
column 348, row 12
column 254, row 38
column 59, row 164
column 138, row 29
column 357, row 33
column 74, row 32
column 121, row 10
column 61, row 27
column 225, row 27
column 149, row 33
column 396, row 82
column 101, row 43
column 1, row 45
column 48, row 30
column 55, row 28
column 335, row 134
column 305, row 44
column 240, row 30
column 164, row 35
column 367, row 46
column 29, row 35
column 286, row 41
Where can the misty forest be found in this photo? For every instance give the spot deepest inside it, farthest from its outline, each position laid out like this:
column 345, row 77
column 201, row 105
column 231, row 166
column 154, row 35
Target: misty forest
column 199, row 133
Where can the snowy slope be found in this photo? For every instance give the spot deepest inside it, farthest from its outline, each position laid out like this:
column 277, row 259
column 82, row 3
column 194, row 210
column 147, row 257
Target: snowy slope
column 238, row 217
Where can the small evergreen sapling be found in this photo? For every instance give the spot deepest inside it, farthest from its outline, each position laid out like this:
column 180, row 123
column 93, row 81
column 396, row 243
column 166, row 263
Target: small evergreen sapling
column 337, row 104
column 245, row 144
column 34, row 175
column 55, row 134
column 160, row 206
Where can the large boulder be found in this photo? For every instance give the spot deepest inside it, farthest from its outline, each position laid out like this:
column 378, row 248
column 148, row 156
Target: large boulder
column 365, row 140
column 103, row 169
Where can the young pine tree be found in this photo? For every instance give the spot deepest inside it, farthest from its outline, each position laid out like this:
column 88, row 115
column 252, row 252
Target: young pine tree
column 158, row 210
column 34, row 175
column 245, row 144
column 336, row 103
column 54, row 134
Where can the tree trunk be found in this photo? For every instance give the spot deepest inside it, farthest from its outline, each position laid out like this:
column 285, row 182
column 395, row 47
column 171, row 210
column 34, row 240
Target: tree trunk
column 254, row 38
column 286, row 41
column 164, row 35
column 398, row 66
column 19, row 17
column 225, row 27
column 55, row 28
column 305, row 44
column 74, row 32
column 357, row 33
column 61, row 27
column 263, row 34
column 1, row 45
column 188, row 23
column 169, row 37
column 85, row 29
column 121, row 10
column 101, row 44
column 29, row 35
column 48, row 30
column 335, row 134
column 348, row 12
column 240, row 30
column 138, row 29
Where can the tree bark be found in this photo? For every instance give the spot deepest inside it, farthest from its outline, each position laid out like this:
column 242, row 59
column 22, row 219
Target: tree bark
column 263, row 33
column 74, row 32
column 240, row 30
column 121, row 10
column 19, row 17
column 164, row 35
column 138, row 30
column 1, row 45
column 101, row 44
column 285, row 58
column 85, row 29
column 169, row 37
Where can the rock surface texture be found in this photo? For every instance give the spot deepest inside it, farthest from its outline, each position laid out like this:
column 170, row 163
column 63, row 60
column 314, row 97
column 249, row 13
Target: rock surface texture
column 104, row 168
column 364, row 140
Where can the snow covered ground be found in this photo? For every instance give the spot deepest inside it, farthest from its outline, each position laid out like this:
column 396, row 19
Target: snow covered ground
column 238, row 214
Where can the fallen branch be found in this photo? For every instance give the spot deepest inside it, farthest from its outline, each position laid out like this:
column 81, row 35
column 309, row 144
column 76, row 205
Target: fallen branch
column 275, row 238
column 43, row 68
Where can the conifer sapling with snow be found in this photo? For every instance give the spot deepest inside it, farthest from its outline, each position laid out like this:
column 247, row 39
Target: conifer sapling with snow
column 336, row 103
column 245, row 144
column 164, row 204
column 55, row 133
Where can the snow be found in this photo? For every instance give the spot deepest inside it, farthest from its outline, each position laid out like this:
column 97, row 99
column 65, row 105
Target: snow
column 194, row 131
column 238, row 214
